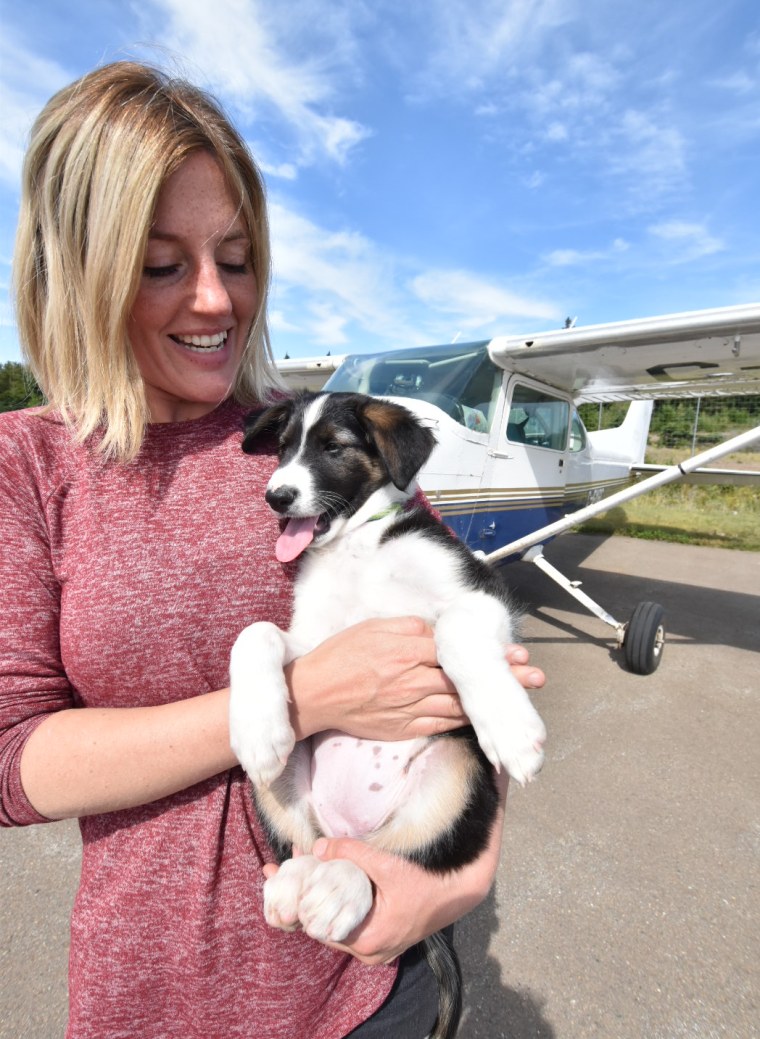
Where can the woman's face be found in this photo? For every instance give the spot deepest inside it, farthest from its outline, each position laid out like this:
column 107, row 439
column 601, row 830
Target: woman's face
column 197, row 296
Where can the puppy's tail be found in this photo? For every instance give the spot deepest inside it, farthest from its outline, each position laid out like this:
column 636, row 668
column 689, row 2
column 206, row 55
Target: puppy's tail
column 444, row 963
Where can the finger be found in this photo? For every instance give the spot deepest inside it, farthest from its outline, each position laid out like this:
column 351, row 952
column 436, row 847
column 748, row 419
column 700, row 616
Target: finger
column 363, row 855
column 413, row 626
column 529, row 677
column 517, row 654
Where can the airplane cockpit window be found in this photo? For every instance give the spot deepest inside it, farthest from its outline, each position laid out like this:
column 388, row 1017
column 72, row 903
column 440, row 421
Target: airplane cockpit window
column 460, row 379
column 537, row 419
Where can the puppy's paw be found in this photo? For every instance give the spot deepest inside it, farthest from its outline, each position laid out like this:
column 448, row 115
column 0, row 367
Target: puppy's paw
column 336, row 898
column 282, row 892
column 327, row 899
column 526, row 760
column 515, row 742
column 261, row 744
column 261, row 736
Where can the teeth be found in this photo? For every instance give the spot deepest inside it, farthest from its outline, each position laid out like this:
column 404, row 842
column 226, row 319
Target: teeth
column 203, row 342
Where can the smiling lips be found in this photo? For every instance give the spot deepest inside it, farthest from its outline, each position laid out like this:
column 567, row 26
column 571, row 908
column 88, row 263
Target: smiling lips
column 202, row 344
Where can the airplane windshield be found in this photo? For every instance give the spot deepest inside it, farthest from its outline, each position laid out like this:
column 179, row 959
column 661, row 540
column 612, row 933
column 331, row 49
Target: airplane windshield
column 459, row 378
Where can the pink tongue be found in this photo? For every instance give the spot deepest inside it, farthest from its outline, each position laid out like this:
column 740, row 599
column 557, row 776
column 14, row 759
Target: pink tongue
column 297, row 536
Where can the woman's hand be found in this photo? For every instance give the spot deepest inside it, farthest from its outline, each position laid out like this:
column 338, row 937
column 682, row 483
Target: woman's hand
column 380, row 680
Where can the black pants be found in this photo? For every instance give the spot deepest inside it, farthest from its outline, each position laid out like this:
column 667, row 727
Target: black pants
column 411, row 1008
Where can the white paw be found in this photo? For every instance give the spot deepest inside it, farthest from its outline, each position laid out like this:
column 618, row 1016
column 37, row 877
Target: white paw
column 282, row 892
column 263, row 746
column 328, row 899
column 514, row 740
column 261, row 736
column 335, row 900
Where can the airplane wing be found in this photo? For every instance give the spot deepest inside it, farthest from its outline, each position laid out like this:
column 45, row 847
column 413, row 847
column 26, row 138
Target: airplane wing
column 699, row 353
column 308, row 373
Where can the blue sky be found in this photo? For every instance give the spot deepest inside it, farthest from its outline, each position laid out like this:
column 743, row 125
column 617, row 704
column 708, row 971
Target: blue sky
column 448, row 169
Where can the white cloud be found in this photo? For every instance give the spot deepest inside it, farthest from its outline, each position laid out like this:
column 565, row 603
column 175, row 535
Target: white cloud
column 280, row 171
column 279, row 323
column 26, row 83
column 237, row 46
column 556, row 131
column 477, row 303
column 691, row 241
column 468, row 44
column 577, row 257
column 556, row 75
column 330, row 285
column 740, row 82
column 324, row 280
column 648, row 153
column 328, row 326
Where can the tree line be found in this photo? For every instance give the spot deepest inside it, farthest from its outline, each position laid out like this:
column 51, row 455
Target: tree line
column 18, row 388
column 677, row 421
column 672, row 419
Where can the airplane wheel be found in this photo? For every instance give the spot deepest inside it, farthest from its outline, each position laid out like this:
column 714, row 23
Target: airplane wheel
column 645, row 638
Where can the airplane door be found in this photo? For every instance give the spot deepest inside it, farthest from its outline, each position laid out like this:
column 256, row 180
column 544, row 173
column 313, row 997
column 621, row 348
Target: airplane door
column 527, row 466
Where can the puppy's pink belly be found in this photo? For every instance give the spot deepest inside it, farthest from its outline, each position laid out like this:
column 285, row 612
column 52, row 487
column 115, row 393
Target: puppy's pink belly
column 357, row 784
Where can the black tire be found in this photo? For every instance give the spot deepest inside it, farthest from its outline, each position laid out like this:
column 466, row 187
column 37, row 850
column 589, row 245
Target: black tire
column 645, row 638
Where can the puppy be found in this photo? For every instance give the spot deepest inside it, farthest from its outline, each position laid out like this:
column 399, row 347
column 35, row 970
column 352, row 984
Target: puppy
column 345, row 487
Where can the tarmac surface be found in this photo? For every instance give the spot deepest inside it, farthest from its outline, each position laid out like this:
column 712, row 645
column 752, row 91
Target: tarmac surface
column 626, row 905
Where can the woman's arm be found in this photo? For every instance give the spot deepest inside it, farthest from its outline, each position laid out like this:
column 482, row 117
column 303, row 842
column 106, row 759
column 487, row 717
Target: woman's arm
column 91, row 759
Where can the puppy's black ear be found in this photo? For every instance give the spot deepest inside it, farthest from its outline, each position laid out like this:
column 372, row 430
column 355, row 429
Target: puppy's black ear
column 266, row 420
column 401, row 440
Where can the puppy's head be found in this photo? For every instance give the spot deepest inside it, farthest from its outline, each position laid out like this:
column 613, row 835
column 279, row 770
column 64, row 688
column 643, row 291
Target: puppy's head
column 335, row 450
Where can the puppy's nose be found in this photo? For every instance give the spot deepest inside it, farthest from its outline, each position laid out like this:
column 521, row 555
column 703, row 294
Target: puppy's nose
column 281, row 498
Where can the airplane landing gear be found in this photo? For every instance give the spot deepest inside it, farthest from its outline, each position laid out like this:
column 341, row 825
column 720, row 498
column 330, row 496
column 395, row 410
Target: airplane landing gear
column 642, row 639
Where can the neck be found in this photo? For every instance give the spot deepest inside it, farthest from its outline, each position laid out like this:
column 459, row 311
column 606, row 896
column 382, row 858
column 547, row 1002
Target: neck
column 382, row 504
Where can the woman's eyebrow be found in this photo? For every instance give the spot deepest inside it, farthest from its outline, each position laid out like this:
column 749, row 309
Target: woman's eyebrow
column 168, row 236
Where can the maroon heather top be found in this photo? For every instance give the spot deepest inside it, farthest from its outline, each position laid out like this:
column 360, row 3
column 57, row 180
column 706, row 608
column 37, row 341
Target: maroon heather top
column 126, row 585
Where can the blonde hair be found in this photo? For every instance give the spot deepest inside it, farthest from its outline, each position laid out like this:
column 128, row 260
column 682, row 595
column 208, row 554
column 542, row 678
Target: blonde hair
column 100, row 151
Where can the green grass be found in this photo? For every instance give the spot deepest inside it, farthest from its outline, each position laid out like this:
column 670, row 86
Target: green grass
column 723, row 517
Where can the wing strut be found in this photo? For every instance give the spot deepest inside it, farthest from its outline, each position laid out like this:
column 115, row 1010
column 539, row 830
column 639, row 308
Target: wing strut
column 673, row 472
column 536, row 555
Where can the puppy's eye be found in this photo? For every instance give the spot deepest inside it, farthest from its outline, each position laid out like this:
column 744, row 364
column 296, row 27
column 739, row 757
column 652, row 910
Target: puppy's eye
column 332, row 447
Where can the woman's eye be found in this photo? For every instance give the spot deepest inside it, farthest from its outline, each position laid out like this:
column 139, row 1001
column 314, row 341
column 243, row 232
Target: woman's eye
column 235, row 268
column 160, row 272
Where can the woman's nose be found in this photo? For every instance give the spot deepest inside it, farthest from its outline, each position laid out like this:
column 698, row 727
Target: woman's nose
column 211, row 295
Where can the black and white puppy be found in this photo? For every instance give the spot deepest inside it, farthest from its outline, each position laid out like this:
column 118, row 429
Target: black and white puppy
column 345, row 485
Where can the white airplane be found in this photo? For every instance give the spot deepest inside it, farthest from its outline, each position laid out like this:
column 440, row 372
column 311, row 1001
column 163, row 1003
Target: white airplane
column 515, row 466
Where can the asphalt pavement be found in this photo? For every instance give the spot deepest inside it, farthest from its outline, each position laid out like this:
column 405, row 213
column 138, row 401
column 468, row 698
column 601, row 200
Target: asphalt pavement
column 626, row 904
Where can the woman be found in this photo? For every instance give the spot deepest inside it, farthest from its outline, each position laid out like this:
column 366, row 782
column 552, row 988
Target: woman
column 136, row 546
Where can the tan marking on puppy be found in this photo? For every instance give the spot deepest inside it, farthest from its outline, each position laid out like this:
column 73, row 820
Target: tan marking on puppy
column 446, row 791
